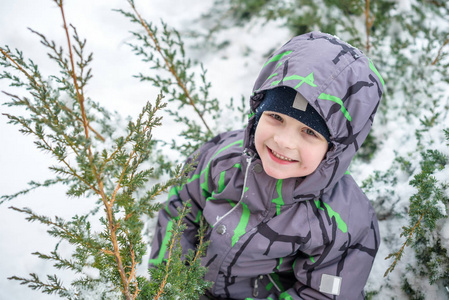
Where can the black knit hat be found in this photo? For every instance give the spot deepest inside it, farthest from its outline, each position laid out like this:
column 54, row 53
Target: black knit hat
column 287, row 101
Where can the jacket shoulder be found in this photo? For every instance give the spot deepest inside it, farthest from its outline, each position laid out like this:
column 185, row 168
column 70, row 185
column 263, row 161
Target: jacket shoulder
column 229, row 140
column 353, row 208
column 218, row 154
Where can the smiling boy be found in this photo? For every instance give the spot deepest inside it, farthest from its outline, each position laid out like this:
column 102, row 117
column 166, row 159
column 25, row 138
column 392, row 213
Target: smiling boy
column 286, row 219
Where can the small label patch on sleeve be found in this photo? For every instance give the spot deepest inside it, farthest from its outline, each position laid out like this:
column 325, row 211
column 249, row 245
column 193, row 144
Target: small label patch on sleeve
column 330, row 284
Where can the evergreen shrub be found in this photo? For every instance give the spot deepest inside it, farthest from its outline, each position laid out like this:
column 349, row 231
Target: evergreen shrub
column 97, row 159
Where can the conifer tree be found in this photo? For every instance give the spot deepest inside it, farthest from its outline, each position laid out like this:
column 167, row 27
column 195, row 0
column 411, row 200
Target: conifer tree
column 94, row 160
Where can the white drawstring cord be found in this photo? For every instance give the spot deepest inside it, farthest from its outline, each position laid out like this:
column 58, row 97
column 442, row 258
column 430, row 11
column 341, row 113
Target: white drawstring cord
column 248, row 160
column 274, row 283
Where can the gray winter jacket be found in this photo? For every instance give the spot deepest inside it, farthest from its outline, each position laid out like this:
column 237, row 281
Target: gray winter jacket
column 298, row 238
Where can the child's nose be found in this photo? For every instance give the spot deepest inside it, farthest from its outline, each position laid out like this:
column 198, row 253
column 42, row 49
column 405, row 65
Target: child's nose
column 286, row 139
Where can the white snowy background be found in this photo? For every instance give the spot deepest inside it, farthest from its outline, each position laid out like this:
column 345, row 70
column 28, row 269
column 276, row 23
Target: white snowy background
column 114, row 87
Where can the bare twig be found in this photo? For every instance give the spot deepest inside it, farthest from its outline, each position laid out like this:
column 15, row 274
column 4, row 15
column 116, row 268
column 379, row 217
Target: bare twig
column 369, row 21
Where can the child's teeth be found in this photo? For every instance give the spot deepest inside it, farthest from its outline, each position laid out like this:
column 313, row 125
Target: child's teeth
column 281, row 157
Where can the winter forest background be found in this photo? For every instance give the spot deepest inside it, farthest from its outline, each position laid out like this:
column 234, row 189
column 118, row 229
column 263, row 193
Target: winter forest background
column 403, row 166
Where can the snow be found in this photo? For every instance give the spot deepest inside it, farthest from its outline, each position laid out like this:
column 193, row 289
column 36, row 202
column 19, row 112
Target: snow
column 114, row 87
column 445, row 235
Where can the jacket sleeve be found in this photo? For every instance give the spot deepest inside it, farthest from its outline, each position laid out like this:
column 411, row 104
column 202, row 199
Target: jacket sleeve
column 194, row 191
column 339, row 270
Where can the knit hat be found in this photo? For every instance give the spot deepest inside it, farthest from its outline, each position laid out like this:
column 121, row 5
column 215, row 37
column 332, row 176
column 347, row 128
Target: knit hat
column 288, row 101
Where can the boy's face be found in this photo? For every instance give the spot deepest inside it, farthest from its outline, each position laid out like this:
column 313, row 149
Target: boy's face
column 287, row 147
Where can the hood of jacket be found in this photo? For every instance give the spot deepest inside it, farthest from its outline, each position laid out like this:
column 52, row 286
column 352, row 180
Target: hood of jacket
column 343, row 86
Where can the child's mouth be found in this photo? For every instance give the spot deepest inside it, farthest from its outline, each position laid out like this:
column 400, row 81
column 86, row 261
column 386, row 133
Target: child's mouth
column 279, row 157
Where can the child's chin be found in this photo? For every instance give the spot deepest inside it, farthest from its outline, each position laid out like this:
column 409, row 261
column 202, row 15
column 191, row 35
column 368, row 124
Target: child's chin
column 276, row 174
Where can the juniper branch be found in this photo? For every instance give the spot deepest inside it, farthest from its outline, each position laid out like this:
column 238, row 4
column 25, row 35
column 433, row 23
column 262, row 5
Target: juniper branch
column 60, row 229
column 53, row 286
column 47, row 146
column 169, row 65
column 118, row 249
column 60, row 262
column 79, row 92
column 397, row 255
column 149, row 124
column 170, row 250
column 437, row 58
column 31, row 78
column 34, row 185
column 35, row 84
column 52, row 122
column 108, row 203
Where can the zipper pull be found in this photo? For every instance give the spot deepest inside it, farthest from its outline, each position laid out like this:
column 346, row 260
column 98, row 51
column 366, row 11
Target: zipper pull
column 256, row 285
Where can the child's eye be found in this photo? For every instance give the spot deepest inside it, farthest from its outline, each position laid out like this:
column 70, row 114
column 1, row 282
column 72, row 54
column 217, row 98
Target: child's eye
column 276, row 117
column 311, row 132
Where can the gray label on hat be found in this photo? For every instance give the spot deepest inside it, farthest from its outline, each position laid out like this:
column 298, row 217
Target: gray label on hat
column 300, row 102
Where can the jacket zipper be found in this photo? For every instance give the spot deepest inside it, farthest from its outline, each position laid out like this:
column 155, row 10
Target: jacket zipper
column 248, row 160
